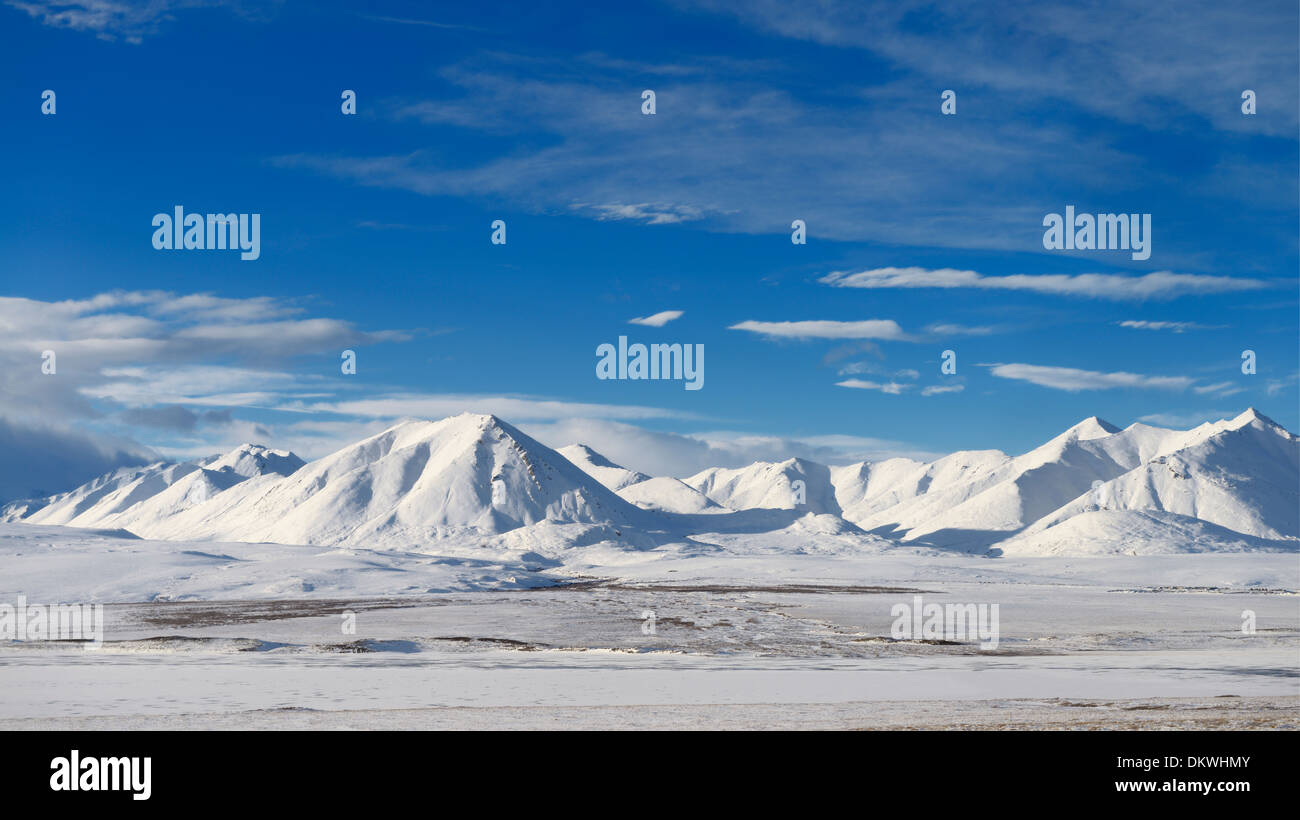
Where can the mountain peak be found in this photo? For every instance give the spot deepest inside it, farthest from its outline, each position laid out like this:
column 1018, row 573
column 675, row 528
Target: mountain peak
column 1093, row 427
column 614, row 476
column 486, row 422
column 468, row 426
column 250, row 460
column 251, row 448
column 486, row 419
column 589, row 455
column 1251, row 416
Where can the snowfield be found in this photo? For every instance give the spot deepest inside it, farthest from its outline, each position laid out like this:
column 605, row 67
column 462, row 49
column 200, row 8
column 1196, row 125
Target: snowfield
column 253, row 636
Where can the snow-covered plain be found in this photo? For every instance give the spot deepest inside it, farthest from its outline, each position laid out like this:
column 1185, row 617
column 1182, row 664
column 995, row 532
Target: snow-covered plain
column 494, row 581
column 244, row 635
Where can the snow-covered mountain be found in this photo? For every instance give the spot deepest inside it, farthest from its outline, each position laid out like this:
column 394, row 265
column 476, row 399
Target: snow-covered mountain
column 132, row 497
column 976, row 497
column 471, row 480
column 671, row 495
column 660, row 494
column 1242, row 475
column 416, row 482
column 794, row 484
column 600, row 468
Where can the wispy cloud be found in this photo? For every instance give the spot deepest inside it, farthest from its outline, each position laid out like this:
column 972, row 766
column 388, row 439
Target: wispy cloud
column 664, row 453
column 743, row 131
column 410, row 21
column 940, row 389
column 949, row 329
column 1158, row 285
column 1186, row 420
column 1176, row 327
column 114, row 19
column 1220, row 389
column 652, row 213
column 659, row 319
column 1073, row 379
column 142, row 349
column 1166, row 63
column 871, row 368
column 826, row 329
column 1276, row 386
column 515, row 408
column 896, row 388
column 893, row 388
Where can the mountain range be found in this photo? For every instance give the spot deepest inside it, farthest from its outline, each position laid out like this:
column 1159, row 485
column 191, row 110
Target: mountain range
column 475, row 480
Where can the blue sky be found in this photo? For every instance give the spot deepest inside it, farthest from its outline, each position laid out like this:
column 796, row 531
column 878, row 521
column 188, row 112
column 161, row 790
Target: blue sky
column 375, row 227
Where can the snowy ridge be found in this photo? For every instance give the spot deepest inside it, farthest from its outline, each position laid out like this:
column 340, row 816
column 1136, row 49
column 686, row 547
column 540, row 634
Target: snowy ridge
column 418, row 481
column 132, row 498
column 770, row 485
column 474, row 482
column 600, row 468
column 669, row 495
column 1240, row 475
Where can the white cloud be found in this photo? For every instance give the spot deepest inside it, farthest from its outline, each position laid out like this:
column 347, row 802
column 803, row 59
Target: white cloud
column 744, row 134
column 128, row 359
column 948, row 329
column 111, row 19
column 1176, row 327
column 1153, row 69
column 661, row 453
column 39, row 459
column 1158, row 285
column 650, row 213
column 826, row 329
column 657, row 319
column 510, row 408
column 1276, row 386
column 937, row 389
column 198, row 384
column 893, row 388
column 1221, row 388
column 407, row 21
column 1073, row 379
column 1186, row 421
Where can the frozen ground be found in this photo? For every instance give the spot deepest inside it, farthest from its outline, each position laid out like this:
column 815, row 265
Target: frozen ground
column 243, row 635
column 1224, row 713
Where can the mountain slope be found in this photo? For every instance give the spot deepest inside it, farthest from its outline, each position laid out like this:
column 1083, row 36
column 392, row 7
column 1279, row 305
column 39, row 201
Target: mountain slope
column 971, row 499
column 469, row 475
column 600, row 468
column 1136, row 532
column 671, row 495
column 794, row 484
column 250, row 460
column 128, row 498
column 1242, row 475
column 217, row 475
column 108, row 495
